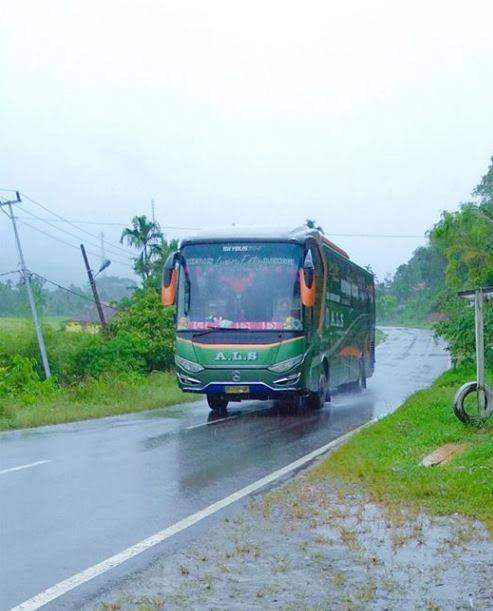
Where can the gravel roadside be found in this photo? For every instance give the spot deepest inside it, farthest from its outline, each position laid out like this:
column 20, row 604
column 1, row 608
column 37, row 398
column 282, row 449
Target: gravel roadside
column 320, row 545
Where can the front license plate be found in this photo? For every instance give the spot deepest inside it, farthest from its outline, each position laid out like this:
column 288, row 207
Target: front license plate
column 237, row 390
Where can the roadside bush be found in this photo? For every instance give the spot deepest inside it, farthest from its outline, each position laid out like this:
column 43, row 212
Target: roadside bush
column 20, row 380
column 17, row 338
column 143, row 316
column 68, row 354
column 139, row 340
column 125, row 352
column 459, row 332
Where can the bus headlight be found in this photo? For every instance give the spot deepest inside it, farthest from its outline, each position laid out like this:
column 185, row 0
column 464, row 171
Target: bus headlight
column 287, row 365
column 188, row 365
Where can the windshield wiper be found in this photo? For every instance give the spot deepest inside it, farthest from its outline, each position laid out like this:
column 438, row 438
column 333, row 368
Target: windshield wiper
column 211, row 329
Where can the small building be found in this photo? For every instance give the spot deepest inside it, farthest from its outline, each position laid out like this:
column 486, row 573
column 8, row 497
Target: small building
column 89, row 320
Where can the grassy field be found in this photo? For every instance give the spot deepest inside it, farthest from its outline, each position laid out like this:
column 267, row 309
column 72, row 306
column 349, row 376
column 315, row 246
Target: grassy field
column 16, row 325
column 385, row 457
column 95, row 399
column 66, row 397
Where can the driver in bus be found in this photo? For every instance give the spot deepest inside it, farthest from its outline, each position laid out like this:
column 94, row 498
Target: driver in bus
column 286, row 312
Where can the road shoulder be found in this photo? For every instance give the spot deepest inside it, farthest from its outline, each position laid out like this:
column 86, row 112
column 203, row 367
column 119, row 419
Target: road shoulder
column 319, row 544
column 333, row 538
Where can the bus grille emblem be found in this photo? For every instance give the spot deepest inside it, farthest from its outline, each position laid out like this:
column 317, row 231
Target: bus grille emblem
column 236, row 356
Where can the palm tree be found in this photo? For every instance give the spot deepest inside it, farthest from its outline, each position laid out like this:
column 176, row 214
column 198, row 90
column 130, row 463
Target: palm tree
column 146, row 236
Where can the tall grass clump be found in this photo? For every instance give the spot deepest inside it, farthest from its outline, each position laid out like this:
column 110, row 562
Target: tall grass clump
column 124, row 368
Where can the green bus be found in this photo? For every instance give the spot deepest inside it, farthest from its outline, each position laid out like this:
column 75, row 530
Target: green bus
column 269, row 315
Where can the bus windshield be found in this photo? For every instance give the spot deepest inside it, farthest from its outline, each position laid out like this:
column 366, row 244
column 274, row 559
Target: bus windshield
column 253, row 286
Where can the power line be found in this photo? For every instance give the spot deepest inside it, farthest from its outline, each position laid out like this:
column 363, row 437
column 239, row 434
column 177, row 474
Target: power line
column 181, row 228
column 64, row 288
column 57, row 239
column 73, row 235
column 78, row 237
column 113, row 224
column 49, row 235
column 374, row 235
column 61, row 218
column 61, row 241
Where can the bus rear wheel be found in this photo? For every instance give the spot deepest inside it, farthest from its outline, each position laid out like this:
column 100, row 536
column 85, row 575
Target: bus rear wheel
column 217, row 404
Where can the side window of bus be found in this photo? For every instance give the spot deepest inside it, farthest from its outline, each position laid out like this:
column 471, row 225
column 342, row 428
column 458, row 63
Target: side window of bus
column 346, row 290
column 370, row 287
column 354, row 288
column 362, row 287
column 334, row 278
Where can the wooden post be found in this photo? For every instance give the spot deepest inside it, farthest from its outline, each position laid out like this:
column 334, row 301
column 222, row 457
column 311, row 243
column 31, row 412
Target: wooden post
column 484, row 394
column 479, row 323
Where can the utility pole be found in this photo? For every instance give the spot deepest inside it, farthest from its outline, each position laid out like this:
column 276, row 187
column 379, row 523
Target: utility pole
column 92, row 282
column 26, row 274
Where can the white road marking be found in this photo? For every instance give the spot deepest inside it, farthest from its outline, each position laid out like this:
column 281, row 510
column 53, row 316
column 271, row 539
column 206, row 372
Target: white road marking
column 61, row 588
column 32, row 464
column 198, row 426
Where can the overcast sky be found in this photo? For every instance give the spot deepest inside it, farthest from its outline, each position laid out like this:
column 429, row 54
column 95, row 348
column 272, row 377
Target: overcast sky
column 370, row 117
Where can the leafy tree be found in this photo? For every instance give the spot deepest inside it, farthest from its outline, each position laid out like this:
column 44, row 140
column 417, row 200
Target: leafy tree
column 465, row 238
column 485, row 188
column 38, row 294
column 143, row 316
column 125, row 352
column 459, row 255
column 9, row 299
column 145, row 236
column 163, row 250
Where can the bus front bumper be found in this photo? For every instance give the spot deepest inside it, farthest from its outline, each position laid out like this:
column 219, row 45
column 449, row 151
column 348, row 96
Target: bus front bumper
column 252, row 383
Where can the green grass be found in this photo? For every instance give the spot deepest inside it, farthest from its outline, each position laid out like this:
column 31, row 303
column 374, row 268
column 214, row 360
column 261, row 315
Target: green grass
column 95, row 399
column 11, row 328
column 71, row 396
column 9, row 324
column 384, row 458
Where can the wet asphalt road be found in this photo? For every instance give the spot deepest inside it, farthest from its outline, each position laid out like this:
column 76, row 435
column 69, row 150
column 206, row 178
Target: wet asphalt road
column 110, row 483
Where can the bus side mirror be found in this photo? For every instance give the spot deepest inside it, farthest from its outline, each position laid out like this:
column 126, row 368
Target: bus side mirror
column 170, row 279
column 307, row 281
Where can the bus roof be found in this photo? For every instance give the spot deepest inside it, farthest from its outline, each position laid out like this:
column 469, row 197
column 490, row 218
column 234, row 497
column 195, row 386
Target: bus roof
column 250, row 234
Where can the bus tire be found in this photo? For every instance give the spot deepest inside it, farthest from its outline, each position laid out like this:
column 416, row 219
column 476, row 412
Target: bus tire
column 316, row 400
column 327, row 383
column 362, row 374
column 217, row 404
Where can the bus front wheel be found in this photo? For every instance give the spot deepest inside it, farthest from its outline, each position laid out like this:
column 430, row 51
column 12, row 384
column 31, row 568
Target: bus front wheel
column 316, row 400
column 217, row 404
column 362, row 374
